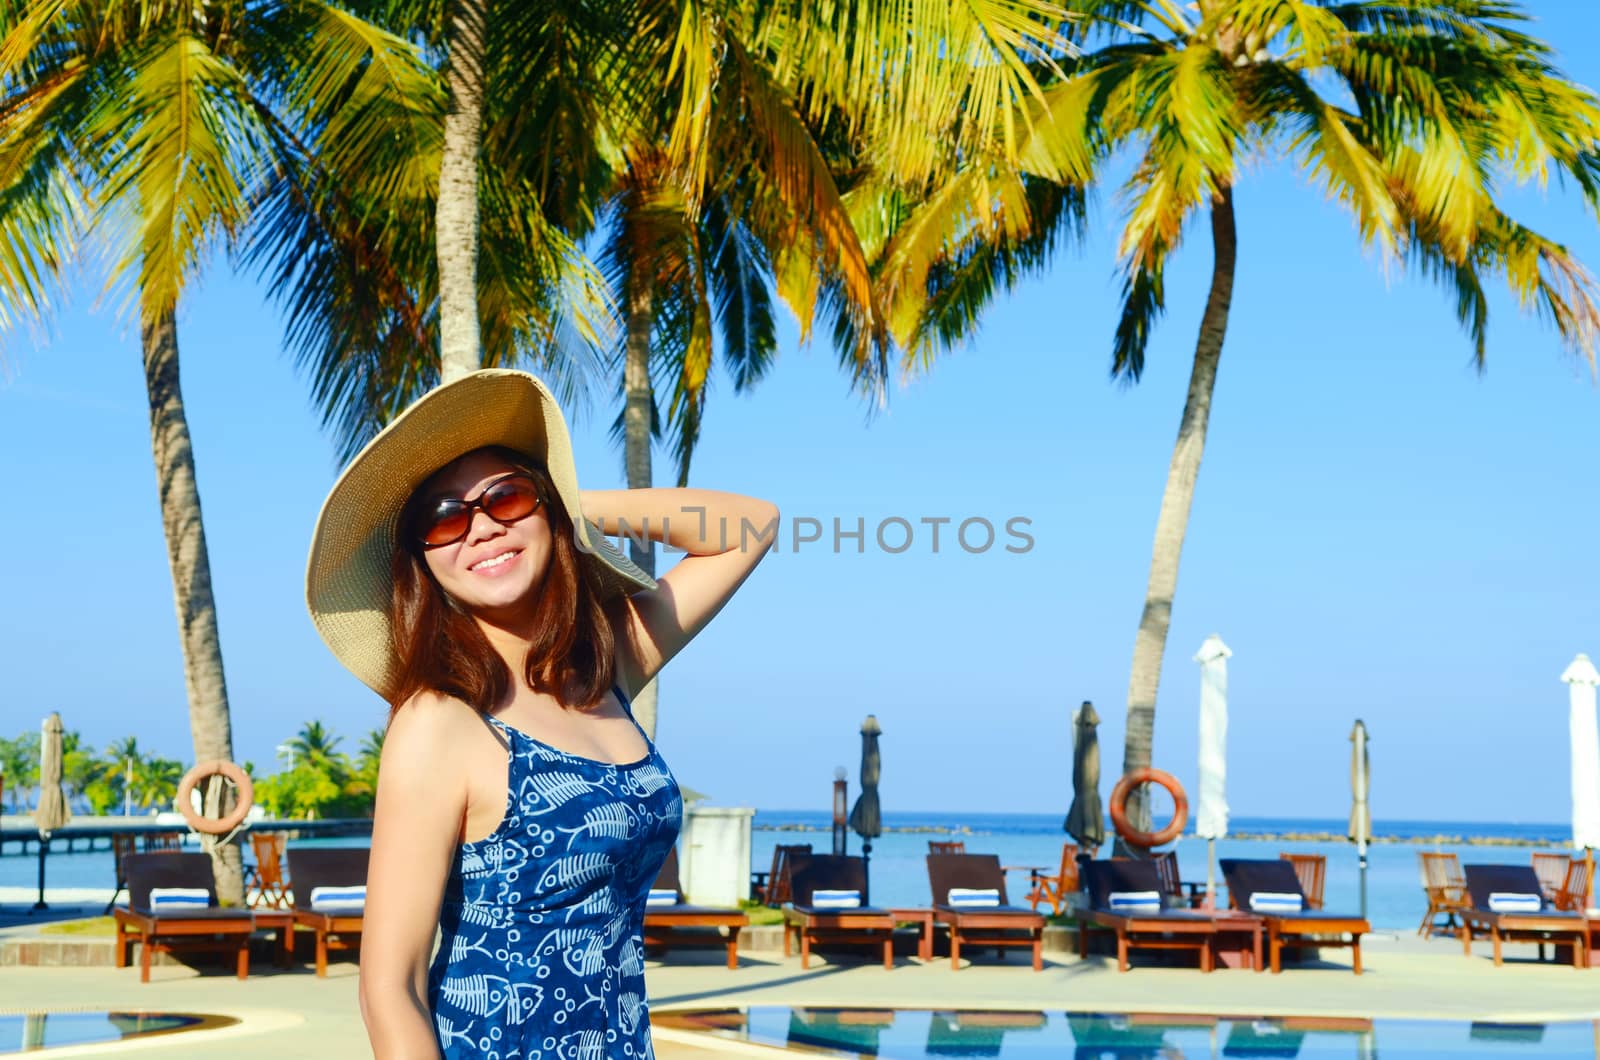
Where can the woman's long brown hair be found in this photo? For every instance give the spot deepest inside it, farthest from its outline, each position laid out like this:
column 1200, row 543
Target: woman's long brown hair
column 438, row 647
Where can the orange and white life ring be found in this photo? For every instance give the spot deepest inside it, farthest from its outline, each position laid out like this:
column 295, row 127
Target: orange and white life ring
column 1119, row 808
column 215, row 825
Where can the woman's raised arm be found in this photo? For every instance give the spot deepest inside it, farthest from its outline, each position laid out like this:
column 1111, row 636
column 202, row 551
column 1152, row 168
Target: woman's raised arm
column 725, row 536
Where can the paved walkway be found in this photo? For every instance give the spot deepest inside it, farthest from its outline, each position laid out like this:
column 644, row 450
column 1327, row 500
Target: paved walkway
column 294, row 1014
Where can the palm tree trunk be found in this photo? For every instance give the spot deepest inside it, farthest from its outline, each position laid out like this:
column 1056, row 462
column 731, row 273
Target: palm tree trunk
column 209, row 723
column 1173, row 522
column 638, row 403
column 456, row 220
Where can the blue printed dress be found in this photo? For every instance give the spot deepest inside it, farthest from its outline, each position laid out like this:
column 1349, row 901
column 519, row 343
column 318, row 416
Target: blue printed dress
column 542, row 956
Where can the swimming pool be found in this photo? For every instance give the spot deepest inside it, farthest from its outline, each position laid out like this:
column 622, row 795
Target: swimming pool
column 27, row 1032
column 911, row 1034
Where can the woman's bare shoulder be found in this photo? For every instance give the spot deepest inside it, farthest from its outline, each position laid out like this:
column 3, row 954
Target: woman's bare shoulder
column 424, row 730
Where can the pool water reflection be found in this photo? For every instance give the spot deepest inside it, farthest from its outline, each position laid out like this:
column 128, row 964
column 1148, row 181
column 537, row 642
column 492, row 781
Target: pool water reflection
column 907, row 1034
column 28, row 1032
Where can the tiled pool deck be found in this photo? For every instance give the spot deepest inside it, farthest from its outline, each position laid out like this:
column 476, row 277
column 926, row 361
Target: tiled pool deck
column 292, row 1013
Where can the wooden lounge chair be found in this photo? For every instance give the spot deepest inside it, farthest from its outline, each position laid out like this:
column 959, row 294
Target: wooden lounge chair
column 1164, row 929
column 1172, row 883
column 121, row 847
column 161, row 842
column 772, row 888
column 265, row 877
column 812, row 924
column 1446, row 888
column 1055, row 890
column 1573, row 894
column 1546, row 925
column 1552, row 872
column 999, row 926
column 1312, row 871
column 947, row 846
column 695, row 925
column 1309, row 927
column 317, row 867
column 160, row 930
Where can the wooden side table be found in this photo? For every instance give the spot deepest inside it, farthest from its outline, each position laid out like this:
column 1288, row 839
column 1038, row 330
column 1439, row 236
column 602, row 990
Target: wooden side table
column 281, row 921
column 1239, row 938
column 918, row 916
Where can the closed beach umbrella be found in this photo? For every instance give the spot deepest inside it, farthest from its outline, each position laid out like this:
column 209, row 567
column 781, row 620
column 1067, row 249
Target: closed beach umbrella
column 1211, row 815
column 1360, row 813
column 51, row 813
column 1086, row 819
column 1581, row 678
column 866, row 817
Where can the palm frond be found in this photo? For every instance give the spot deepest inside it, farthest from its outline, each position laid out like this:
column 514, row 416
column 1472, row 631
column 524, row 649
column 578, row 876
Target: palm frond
column 180, row 144
column 788, row 160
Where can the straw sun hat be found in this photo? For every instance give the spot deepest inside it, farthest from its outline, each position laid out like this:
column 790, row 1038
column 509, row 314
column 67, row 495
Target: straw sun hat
column 347, row 575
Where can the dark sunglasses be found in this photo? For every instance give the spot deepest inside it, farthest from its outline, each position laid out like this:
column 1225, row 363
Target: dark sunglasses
column 505, row 501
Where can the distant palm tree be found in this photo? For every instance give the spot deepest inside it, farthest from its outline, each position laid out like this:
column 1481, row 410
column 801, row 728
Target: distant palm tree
column 122, row 761
column 362, row 786
column 80, row 767
column 315, row 745
column 156, row 784
column 371, row 751
column 19, row 763
column 1409, row 115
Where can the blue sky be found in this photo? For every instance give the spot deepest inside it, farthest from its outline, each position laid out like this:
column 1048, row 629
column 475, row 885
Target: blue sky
column 1378, row 532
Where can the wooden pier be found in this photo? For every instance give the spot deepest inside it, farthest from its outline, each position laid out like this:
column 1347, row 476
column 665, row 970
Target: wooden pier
column 19, row 838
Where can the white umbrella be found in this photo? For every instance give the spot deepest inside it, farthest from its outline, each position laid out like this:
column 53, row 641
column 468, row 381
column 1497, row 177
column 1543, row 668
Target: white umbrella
column 1581, row 678
column 1211, row 814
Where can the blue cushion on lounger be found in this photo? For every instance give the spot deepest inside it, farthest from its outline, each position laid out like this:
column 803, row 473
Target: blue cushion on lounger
column 1134, row 902
column 973, row 897
column 1514, row 902
column 176, row 898
column 339, row 899
column 660, row 896
column 1276, row 902
column 839, row 899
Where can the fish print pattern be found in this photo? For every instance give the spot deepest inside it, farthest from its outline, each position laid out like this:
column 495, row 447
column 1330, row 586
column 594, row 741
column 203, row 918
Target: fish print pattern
column 542, row 921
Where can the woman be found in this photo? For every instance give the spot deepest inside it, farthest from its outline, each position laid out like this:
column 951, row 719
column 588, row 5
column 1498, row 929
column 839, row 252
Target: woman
column 520, row 810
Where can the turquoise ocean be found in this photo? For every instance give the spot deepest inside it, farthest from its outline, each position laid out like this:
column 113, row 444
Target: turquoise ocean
column 898, row 871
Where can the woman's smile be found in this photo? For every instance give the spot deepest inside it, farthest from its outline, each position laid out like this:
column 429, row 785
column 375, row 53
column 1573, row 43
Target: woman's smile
column 497, row 564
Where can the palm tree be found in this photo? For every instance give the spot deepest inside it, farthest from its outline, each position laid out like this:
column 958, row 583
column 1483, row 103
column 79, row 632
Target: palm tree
column 315, row 745
column 698, row 218
column 365, row 781
column 1408, row 114
column 147, row 130
column 157, row 783
column 81, row 769
column 122, row 764
column 739, row 189
column 361, row 265
column 456, row 227
column 19, row 764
